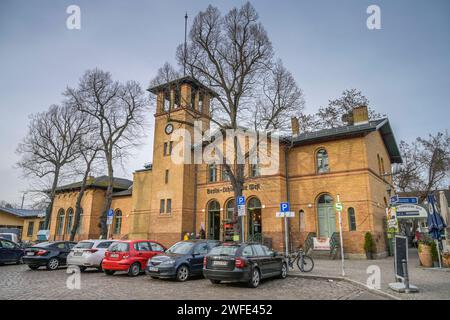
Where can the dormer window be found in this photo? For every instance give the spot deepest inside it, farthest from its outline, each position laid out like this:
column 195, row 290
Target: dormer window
column 322, row 161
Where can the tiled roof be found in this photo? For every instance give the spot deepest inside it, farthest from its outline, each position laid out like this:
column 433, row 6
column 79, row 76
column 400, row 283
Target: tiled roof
column 23, row 213
column 127, row 192
column 99, row 182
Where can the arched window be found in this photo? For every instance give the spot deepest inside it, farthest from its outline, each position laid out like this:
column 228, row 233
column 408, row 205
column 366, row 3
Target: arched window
column 214, row 220
column 301, row 220
column 254, row 220
column 229, row 209
column 60, row 222
column 69, row 220
column 382, row 167
column 80, row 223
column 322, row 161
column 351, row 219
column 117, row 222
column 379, row 164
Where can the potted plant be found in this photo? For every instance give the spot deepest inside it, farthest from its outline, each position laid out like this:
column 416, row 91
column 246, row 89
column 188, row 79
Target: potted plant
column 425, row 257
column 369, row 245
column 434, row 255
column 446, row 259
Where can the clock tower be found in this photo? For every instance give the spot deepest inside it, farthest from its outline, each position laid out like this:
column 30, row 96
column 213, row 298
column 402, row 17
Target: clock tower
column 173, row 182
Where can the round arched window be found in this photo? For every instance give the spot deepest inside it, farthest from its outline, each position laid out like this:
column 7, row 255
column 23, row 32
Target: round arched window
column 322, row 161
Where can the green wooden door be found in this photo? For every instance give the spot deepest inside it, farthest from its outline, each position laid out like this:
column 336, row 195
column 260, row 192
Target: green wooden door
column 327, row 220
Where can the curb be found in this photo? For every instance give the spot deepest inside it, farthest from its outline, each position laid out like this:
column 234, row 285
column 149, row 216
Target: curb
column 354, row 282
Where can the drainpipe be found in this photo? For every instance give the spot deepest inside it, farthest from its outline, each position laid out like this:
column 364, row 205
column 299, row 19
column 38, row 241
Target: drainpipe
column 288, row 198
column 195, row 198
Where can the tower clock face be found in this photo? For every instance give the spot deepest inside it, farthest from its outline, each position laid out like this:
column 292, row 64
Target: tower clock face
column 169, row 128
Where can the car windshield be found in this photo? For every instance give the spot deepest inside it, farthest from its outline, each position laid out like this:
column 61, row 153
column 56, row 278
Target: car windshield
column 6, row 236
column 181, row 248
column 84, row 245
column 224, row 250
column 119, row 247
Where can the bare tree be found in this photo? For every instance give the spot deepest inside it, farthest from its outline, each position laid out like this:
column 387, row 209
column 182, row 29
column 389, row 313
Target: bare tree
column 119, row 112
column 50, row 144
column 281, row 100
column 426, row 164
column 339, row 110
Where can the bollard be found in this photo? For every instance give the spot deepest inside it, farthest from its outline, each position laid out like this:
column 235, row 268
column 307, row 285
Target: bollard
column 405, row 275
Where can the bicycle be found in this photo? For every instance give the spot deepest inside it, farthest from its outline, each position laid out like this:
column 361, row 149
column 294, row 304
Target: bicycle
column 304, row 262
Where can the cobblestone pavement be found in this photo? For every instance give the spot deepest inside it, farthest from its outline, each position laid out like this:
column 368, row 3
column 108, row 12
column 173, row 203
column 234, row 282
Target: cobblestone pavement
column 433, row 283
column 18, row 282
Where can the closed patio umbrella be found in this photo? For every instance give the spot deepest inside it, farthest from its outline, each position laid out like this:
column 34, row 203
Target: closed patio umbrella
column 435, row 223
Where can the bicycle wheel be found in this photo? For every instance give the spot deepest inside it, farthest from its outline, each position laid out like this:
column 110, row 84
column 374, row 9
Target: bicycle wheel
column 305, row 263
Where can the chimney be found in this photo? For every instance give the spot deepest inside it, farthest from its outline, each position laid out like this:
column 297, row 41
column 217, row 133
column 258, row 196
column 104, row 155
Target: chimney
column 295, row 126
column 360, row 115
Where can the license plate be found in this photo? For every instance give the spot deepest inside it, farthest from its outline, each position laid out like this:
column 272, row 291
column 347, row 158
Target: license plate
column 220, row 263
column 114, row 255
column 30, row 253
column 78, row 254
column 153, row 269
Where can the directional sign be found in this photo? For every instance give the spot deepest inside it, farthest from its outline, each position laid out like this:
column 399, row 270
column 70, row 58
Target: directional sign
column 394, row 199
column 338, row 206
column 284, row 207
column 408, row 211
column 241, row 200
column 408, row 200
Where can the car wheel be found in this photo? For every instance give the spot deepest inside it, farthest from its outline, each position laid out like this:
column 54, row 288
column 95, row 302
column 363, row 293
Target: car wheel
column 134, row 270
column 53, row 264
column 214, row 281
column 33, row 267
column 100, row 266
column 83, row 268
column 109, row 272
column 254, row 279
column 182, row 273
column 284, row 271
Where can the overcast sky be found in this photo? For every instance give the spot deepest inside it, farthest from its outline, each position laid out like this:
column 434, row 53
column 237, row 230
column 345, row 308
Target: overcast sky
column 404, row 68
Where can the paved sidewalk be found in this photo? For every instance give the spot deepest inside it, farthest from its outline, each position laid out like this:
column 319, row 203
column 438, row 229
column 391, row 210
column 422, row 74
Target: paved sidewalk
column 432, row 283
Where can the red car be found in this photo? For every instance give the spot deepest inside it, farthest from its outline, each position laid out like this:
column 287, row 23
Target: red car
column 130, row 256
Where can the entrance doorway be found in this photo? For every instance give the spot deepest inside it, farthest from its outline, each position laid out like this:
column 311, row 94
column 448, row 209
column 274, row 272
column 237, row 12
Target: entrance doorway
column 214, row 220
column 326, row 216
column 254, row 225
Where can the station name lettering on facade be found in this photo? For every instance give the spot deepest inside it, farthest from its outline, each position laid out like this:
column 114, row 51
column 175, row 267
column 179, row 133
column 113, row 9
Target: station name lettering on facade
column 251, row 187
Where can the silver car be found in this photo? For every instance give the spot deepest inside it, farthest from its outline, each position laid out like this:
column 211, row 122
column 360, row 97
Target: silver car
column 88, row 254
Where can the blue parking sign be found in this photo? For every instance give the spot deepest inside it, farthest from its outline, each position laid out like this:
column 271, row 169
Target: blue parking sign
column 110, row 213
column 241, row 200
column 284, row 207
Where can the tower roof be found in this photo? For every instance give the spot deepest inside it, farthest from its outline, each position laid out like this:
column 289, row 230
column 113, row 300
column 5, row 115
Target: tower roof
column 187, row 79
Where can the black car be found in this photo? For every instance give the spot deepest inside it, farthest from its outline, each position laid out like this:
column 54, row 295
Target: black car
column 10, row 252
column 48, row 254
column 243, row 262
column 182, row 260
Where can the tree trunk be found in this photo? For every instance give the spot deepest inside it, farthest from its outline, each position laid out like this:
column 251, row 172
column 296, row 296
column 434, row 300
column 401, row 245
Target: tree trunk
column 78, row 204
column 108, row 199
column 48, row 213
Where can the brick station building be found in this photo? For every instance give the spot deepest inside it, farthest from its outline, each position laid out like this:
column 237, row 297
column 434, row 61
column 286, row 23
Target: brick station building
column 165, row 200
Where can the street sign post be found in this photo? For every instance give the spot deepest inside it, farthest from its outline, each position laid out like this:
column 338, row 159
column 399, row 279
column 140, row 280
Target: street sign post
column 241, row 213
column 285, row 208
column 109, row 220
column 339, row 206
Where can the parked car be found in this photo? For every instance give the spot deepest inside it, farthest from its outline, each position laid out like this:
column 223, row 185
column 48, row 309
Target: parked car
column 88, row 254
column 10, row 252
column 130, row 256
column 10, row 236
column 243, row 262
column 48, row 254
column 182, row 260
